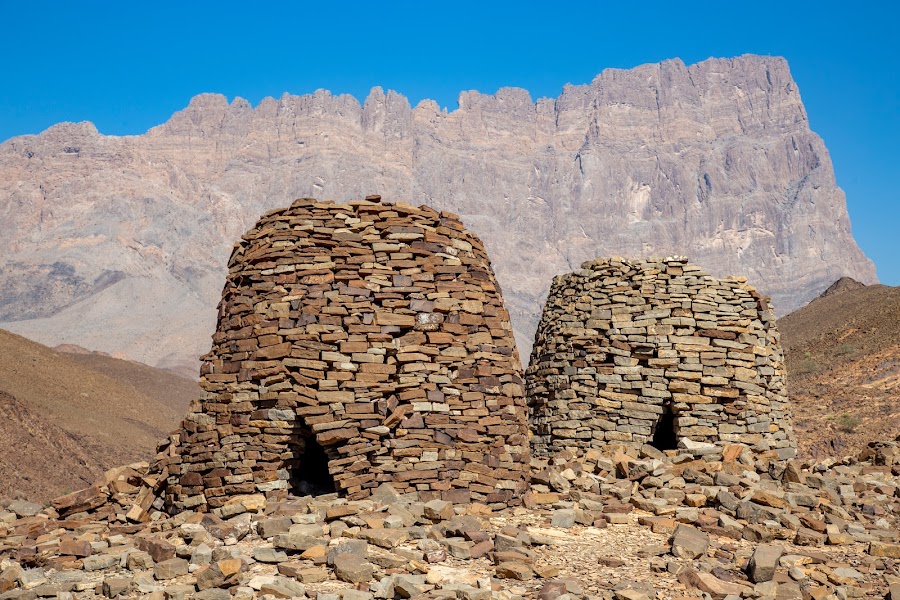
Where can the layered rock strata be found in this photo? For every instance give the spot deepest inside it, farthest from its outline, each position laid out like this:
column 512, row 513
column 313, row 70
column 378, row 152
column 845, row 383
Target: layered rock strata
column 357, row 344
column 654, row 352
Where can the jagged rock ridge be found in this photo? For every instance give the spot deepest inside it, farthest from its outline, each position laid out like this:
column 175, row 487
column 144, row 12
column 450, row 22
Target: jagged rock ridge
column 120, row 243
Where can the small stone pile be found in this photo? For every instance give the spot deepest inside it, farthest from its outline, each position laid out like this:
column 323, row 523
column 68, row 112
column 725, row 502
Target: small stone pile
column 357, row 344
column 656, row 351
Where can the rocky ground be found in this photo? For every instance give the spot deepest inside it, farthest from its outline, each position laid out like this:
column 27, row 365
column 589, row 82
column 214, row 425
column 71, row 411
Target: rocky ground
column 699, row 522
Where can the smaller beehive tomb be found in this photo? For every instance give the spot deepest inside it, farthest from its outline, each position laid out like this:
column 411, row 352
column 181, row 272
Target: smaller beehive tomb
column 652, row 351
column 357, row 344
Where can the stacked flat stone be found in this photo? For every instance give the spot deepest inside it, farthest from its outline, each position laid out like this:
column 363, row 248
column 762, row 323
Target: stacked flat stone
column 376, row 330
column 623, row 342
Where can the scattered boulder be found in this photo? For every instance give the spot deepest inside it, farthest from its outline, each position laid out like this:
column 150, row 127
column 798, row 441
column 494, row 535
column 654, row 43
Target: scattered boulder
column 353, row 568
column 689, row 542
column 763, row 562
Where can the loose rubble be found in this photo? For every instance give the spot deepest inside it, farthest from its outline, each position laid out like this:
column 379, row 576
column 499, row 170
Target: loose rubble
column 619, row 524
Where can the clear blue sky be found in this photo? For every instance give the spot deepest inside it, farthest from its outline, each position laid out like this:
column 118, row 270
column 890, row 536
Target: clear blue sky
column 127, row 66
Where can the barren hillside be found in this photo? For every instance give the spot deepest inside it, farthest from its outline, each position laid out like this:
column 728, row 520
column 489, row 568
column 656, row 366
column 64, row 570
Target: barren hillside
column 843, row 360
column 65, row 418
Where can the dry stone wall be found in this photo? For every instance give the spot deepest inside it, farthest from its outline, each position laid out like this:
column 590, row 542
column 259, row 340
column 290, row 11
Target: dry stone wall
column 654, row 351
column 357, row 344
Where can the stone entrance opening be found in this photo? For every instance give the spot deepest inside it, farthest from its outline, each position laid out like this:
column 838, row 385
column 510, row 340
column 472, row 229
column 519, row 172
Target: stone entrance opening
column 664, row 437
column 310, row 475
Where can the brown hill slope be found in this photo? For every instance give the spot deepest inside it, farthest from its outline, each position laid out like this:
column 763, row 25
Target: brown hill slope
column 843, row 360
column 67, row 418
column 39, row 458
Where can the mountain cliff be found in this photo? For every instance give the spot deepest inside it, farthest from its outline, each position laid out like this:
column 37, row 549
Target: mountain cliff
column 120, row 243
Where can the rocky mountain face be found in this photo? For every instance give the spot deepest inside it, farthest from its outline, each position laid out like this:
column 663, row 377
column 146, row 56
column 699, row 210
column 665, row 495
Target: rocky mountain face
column 120, row 243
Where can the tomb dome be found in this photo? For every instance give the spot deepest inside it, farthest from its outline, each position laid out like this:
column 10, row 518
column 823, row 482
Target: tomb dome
column 357, row 344
column 655, row 351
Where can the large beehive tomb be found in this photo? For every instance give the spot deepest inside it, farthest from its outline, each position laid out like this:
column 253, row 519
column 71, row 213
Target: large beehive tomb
column 357, row 344
column 654, row 351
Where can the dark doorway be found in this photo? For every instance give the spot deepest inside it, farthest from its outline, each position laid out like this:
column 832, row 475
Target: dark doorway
column 664, row 435
column 310, row 475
